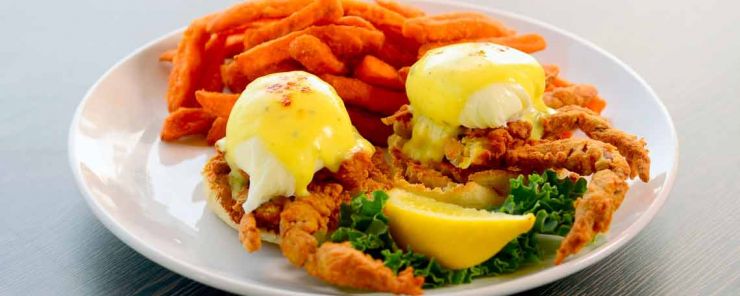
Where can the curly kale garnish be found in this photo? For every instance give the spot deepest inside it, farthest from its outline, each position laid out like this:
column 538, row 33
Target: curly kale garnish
column 550, row 199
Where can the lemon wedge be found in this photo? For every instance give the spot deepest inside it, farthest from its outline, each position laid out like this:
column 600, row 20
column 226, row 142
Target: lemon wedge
column 455, row 236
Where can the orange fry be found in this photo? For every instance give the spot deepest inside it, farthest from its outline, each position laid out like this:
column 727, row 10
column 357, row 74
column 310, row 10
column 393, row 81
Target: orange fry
column 215, row 54
column 355, row 21
column 234, row 44
column 233, row 78
column 318, row 11
column 458, row 15
column 236, row 81
column 217, row 131
column 187, row 67
column 315, row 55
column 343, row 41
column 398, row 50
column 403, row 73
column 348, row 41
column 185, row 122
column 260, row 57
column 261, row 22
column 377, row 72
column 217, row 103
column 355, row 92
column 404, row 10
column 168, row 56
column 243, row 13
column 433, row 29
column 529, row 43
column 380, row 17
column 370, row 126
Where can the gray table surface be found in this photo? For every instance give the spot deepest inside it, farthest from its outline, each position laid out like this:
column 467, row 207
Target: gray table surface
column 52, row 51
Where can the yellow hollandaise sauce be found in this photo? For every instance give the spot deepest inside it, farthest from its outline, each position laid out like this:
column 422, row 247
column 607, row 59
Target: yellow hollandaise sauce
column 287, row 126
column 474, row 85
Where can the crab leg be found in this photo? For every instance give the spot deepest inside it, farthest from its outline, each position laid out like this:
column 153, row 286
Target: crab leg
column 605, row 191
column 596, row 127
column 249, row 234
column 308, row 217
column 593, row 211
column 342, row 265
column 583, row 156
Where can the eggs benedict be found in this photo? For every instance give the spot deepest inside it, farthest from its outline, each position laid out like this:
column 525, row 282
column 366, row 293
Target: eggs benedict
column 470, row 85
column 283, row 129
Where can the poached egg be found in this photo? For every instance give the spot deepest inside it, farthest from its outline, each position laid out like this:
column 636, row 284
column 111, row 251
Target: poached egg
column 284, row 128
column 473, row 85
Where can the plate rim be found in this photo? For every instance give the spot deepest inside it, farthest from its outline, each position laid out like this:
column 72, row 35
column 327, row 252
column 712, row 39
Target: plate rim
column 520, row 284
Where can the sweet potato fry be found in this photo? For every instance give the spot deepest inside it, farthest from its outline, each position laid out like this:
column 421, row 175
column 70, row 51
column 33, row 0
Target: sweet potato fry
column 458, row 15
column 403, row 73
column 215, row 53
column 344, row 41
column 187, row 67
column 380, row 17
column 404, row 10
column 217, row 131
column 261, row 23
column 168, row 56
column 233, row 78
column 235, row 36
column 242, row 13
column 370, row 126
column 348, row 41
column 433, row 29
column 398, row 50
column 236, row 81
column 216, row 103
column 234, row 44
column 355, row 21
column 377, row 72
column 529, row 43
column 315, row 55
column 185, row 122
column 319, row 11
column 355, row 92
column 260, row 57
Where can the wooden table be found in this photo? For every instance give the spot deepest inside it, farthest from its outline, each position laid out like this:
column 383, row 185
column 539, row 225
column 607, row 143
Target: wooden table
column 50, row 53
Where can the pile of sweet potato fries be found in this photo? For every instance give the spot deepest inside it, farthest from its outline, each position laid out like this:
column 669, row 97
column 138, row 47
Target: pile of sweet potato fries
column 362, row 49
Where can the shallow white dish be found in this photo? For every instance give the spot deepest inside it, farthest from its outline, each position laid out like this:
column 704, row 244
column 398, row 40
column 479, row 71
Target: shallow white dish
column 150, row 193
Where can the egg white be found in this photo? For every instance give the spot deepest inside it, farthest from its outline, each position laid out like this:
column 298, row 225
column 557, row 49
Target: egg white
column 268, row 177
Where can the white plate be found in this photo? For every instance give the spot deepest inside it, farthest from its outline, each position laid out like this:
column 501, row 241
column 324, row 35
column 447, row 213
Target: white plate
column 150, row 194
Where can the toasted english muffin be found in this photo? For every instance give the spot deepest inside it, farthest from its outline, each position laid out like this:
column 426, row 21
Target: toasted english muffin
column 219, row 198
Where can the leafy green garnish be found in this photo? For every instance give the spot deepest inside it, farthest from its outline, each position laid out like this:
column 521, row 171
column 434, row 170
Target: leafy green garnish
column 363, row 224
column 550, row 199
